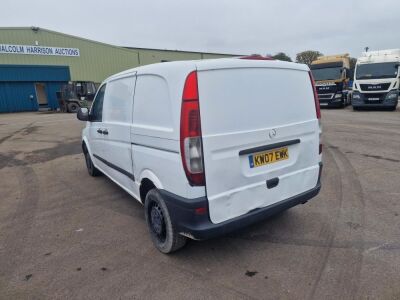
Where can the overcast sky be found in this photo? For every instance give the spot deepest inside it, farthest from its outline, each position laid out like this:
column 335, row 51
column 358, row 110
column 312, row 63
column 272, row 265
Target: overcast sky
column 227, row 26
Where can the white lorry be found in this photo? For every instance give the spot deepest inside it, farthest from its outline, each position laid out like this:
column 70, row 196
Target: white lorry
column 207, row 146
column 376, row 80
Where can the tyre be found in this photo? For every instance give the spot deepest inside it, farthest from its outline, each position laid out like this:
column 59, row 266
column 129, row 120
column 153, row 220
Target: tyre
column 349, row 99
column 92, row 170
column 73, row 107
column 162, row 232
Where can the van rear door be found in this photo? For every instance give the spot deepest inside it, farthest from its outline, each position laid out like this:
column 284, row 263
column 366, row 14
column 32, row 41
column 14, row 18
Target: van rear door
column 260, row 135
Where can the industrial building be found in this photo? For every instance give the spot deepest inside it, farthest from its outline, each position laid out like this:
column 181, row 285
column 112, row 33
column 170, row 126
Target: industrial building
column 36, row 62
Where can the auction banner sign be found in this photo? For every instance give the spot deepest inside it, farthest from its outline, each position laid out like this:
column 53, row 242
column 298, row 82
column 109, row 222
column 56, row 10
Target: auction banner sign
column 38, row 50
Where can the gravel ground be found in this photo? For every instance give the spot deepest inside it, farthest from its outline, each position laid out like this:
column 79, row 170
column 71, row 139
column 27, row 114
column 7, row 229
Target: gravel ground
column 64, row 234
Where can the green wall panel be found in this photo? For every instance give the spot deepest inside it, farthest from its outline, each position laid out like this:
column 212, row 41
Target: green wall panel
column 96, row 62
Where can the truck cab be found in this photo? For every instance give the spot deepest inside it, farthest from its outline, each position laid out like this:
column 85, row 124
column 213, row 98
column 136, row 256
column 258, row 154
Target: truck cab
column 376, row 83
column 332, row 76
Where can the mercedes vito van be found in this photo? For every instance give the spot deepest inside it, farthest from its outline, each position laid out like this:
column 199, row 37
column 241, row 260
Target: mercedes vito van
column 207, row 146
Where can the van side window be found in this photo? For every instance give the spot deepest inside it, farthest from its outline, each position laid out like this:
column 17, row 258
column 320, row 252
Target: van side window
column 118, row 100
column 96, row 112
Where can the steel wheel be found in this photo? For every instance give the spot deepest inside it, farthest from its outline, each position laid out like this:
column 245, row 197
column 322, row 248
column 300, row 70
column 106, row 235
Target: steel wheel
column 161, row 228
column 157, row 222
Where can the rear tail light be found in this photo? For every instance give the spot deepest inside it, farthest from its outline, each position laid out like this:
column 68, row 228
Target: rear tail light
column 190, row 140
column 317, row 107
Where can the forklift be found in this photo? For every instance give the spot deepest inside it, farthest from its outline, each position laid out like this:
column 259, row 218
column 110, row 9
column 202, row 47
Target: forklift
column 76, row 94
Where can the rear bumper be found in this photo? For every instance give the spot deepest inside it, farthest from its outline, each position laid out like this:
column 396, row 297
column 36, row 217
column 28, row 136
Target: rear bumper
column 198, row 226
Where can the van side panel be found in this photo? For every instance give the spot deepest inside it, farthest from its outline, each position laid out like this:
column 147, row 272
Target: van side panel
column 248, row 108
column 155, row 134
column 116, row 158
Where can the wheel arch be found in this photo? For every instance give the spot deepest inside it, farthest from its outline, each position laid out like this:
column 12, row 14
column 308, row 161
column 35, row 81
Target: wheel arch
column 148, row 180
column 85, row 144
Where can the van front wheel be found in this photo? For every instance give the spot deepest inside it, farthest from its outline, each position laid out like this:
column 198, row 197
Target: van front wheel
column 162, row 231
column 92, row 170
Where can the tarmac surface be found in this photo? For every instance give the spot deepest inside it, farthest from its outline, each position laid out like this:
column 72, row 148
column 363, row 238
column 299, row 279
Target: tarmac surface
column 64, row 234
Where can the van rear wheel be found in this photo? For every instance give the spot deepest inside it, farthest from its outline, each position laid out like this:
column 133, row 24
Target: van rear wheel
column 162, row 232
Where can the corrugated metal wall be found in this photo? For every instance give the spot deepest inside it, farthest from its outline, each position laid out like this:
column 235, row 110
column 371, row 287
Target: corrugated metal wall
column 97, row 61
column 15, row 96
column 34, row 73
column 51, row 89
column 150, row 56
column 17, row 86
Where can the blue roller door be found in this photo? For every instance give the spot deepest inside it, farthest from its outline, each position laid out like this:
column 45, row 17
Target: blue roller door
column 17, row 86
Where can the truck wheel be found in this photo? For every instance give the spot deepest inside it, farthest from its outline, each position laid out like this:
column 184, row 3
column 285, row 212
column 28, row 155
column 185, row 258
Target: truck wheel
column 73, row 107
column 162, row 232
column 92, row 170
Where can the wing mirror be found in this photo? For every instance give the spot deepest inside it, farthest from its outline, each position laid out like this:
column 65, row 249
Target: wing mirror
column 83, row 114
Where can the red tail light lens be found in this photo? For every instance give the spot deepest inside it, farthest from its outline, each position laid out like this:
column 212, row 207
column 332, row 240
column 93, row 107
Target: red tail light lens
column 190, row 91
column 316, row 99
column 190, row 139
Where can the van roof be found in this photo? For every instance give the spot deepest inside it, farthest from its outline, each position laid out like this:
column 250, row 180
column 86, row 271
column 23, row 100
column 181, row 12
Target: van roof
column 210, row 64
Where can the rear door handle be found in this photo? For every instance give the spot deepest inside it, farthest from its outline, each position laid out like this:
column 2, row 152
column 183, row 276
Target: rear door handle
column 105, row 131
column 271, row 183
column 100, row 131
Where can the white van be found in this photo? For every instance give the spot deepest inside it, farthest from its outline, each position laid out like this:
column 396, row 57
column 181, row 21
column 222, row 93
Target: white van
column 207, row 146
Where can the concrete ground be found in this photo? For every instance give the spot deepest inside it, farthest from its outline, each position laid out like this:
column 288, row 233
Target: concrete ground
column 64, row 234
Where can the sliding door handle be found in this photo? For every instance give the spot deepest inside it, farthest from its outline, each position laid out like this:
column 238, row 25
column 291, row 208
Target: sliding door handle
column 100, row 131
column 105, row 131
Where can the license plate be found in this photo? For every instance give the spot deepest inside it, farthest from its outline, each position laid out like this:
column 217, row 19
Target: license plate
column 373, row 99
column 268, row 157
